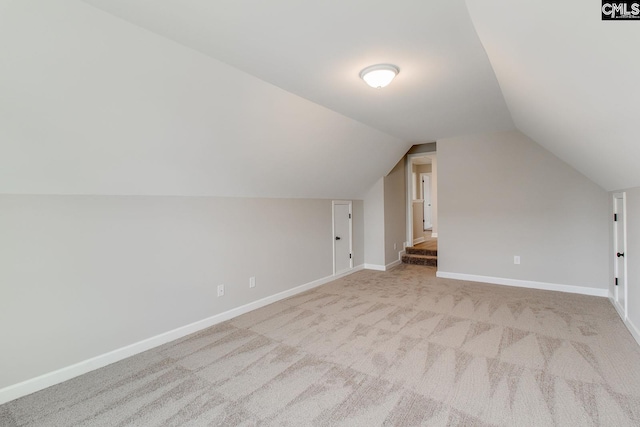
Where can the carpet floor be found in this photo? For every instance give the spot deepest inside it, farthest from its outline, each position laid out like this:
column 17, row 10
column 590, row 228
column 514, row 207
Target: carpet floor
column 397, row 348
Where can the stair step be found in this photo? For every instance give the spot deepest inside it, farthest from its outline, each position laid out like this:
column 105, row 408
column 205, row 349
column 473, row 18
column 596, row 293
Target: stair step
column 414, row 259
column 418, row 251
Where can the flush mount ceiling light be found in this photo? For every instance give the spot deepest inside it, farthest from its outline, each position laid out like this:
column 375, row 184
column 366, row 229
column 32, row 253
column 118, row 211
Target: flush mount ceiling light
column 379, row 75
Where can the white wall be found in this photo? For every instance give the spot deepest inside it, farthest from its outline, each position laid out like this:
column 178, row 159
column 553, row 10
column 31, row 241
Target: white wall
column 502, row 195
column 84, row 275
column 633, row 262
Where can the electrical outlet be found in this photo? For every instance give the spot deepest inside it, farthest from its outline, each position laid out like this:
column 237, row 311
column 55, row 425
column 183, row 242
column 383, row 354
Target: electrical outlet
column 516, row 259
column 395, row 246
column 252, row 282
column 220, row 290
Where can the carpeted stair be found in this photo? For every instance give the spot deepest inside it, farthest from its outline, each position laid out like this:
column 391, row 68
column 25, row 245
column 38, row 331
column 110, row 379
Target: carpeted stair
column 419, row 256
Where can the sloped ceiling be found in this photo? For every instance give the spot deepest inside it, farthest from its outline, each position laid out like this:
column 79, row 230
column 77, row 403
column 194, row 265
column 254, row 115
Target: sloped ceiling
column 240, row 98
column 316, row 49
column 570, row 81
column 91, row 104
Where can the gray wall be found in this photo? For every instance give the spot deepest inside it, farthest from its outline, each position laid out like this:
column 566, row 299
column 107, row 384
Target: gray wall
column 385, row 218
column 374, row 252
column 358, row 232
column 395, row 211
column 84, row 275
column 501, row 195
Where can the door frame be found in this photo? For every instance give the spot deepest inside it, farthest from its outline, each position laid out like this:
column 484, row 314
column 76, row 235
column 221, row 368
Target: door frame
column 409, row 188
column 622, row 310
column 333, row 230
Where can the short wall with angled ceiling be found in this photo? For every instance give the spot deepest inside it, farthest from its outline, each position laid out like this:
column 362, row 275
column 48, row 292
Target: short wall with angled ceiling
column 89, row 280
column 502, row 195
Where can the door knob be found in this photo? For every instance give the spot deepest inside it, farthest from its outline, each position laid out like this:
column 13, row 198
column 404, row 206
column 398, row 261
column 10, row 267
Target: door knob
column 619, row 254
column 337, row 238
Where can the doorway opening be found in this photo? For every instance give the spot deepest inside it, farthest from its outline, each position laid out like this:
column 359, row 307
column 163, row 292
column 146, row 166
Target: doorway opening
column 425, row 193
column 422, row 209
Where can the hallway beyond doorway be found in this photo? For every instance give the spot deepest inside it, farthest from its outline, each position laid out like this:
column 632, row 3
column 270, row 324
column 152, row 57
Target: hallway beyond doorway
column 425, row 253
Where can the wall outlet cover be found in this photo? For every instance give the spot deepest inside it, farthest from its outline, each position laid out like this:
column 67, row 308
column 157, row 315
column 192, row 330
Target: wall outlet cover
column 252, row 282
column 220, row 290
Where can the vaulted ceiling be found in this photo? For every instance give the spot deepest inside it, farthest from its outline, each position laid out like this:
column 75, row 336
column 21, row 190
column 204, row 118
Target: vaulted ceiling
column 245, row 98
column 317, row 49
column 570, row 81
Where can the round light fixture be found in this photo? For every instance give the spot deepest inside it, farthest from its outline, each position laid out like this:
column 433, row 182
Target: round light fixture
column 379, row 75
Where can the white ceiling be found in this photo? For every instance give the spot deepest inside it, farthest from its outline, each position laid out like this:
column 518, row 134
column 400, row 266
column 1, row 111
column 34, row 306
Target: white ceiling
column 263, row 99
column 316, row 49
column 91, row 104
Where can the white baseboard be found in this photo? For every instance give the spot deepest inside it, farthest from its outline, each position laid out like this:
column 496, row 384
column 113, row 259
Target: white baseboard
column 525, row 284
column 52, row 378
column 635, row 331
column 392, row 264
column 617, row 307
column 378, row 267
column 418, row 240
column 434, row 234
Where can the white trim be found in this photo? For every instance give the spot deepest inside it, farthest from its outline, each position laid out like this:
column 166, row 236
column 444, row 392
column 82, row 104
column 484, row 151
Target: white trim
column 392, row 264
column 387, row 267
column 434, row 234
column 633, row 329
column 525, row 284
column 49, row 379
column 418, row 240
column 410, row 186
column 615, row 305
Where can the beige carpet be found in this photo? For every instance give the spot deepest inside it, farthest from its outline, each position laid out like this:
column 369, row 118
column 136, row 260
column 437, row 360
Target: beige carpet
column 400, row 348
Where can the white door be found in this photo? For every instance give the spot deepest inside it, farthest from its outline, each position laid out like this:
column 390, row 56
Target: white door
column 426, row 196
column 619, row 253
column 342, row 254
